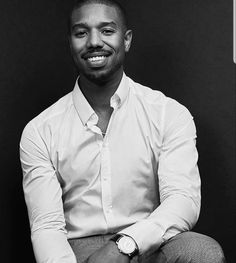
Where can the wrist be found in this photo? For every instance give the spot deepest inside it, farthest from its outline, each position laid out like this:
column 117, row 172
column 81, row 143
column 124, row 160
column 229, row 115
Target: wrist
column 126, row 245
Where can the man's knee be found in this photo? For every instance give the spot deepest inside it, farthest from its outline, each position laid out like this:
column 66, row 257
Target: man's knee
column 192, row 247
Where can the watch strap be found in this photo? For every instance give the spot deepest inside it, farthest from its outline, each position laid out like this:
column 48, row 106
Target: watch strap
column 116, row 237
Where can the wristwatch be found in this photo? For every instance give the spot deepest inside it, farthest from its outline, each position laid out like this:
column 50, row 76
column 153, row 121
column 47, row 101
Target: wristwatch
column 126, row 245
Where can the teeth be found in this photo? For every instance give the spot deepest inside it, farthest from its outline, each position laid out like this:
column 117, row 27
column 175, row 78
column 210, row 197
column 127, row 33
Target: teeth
column 96, row 58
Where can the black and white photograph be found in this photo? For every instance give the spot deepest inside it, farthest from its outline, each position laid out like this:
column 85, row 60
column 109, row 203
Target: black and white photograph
column 118, row 131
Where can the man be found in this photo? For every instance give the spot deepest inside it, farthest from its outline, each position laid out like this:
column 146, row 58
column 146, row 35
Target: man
column 110, row 170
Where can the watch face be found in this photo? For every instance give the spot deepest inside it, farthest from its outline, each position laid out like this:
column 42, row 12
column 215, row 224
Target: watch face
column 126, row 245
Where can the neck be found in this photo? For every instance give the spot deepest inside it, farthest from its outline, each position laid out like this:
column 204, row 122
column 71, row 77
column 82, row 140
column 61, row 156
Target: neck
column 99, row 93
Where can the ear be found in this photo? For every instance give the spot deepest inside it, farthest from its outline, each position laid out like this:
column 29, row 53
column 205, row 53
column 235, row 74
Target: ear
column 128, row 40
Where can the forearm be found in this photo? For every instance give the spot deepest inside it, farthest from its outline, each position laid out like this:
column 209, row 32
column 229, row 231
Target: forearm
column 176, row 214
column 51, row 246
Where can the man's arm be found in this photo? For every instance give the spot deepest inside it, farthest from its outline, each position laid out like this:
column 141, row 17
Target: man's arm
column 43, row 196
column 179, row 186
column 179, row 183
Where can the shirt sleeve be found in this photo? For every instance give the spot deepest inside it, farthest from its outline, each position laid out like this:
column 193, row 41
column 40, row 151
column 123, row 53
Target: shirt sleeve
column 179, row 183
column 43, row 196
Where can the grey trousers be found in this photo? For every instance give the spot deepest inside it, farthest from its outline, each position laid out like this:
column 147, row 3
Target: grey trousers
column 183, row 248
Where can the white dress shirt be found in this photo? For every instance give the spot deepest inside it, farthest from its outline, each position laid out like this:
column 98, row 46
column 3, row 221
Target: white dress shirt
column 141, row 179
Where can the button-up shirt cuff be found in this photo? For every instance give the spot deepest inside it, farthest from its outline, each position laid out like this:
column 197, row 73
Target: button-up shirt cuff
column 146, row 234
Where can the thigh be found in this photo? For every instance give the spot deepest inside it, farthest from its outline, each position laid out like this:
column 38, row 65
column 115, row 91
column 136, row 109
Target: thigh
column 86, row 246
column 188, row 247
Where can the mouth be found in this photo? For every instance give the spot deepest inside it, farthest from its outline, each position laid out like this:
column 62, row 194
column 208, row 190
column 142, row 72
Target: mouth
column 97, row 59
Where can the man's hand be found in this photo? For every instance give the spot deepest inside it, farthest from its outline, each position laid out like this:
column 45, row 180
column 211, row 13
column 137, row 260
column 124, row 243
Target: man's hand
column 108, row 254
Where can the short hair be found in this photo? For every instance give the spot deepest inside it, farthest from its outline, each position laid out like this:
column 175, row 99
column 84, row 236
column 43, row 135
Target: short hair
column 112, row 3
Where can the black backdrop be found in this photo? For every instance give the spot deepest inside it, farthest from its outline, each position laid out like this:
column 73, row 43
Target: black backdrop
column 183, row 48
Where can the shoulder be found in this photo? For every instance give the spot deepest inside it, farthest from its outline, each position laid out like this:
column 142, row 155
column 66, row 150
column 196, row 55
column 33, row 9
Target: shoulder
column 51, row 116
column 146, row 94
column 160, row 108
column 156, row 98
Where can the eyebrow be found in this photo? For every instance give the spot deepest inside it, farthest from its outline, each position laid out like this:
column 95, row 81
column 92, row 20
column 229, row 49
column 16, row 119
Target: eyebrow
column 100, row 25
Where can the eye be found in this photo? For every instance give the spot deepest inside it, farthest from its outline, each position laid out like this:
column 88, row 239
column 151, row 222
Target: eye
column 80, row 34
column 108, row 31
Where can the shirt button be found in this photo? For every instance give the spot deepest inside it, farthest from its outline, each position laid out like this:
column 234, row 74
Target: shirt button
column 105, row 178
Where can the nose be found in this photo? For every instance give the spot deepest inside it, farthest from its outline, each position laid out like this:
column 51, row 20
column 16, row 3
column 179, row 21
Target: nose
column 94, row 40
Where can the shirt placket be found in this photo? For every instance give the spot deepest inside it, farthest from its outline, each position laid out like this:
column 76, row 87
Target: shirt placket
column 106, row 185
column 105, row 170
column 106, row 173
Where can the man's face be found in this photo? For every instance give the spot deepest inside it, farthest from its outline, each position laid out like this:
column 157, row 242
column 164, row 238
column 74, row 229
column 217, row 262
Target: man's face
column 98, row 41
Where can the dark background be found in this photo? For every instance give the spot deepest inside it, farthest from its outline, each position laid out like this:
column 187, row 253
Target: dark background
column 183, row 48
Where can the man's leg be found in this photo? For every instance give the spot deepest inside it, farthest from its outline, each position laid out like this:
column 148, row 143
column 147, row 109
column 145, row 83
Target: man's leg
column 84, row 247
column 188, row 247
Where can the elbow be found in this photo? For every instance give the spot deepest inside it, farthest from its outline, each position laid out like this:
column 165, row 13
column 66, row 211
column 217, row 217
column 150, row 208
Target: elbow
column 47, row 221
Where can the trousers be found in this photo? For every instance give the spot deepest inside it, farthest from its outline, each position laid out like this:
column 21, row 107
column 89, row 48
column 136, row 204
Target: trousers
column 186, row 247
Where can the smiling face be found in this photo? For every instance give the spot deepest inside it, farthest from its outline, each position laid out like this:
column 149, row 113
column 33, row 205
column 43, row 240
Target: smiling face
column 98, row 41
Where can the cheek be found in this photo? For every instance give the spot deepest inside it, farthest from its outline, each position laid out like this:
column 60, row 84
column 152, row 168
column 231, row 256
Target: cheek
column 116, row 42
column 76, row 46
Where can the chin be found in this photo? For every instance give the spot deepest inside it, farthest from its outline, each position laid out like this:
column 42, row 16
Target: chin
column 100, row 76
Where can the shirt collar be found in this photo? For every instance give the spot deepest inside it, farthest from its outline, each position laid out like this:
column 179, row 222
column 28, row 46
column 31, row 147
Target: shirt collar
column 86, row 112
column 83, row 108
column 121, row 93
